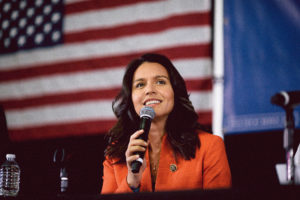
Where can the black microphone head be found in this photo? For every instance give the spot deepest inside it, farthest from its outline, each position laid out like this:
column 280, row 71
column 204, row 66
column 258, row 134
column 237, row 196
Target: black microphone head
column 280, row 99
column 286, row 99
column 147, row 112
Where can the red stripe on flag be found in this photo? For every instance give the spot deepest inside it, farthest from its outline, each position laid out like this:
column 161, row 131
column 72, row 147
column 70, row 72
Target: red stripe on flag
column 190, row 19
column 71, row 97
column 189, row 51
column 62, row 130
column 205, row 118
column 88, row 5
column 204, row 84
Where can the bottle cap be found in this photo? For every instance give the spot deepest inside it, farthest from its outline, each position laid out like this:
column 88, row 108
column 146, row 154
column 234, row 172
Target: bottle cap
column 10, row 156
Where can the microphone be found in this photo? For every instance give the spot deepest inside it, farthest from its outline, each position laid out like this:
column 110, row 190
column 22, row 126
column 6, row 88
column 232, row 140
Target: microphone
column 146, row 115
column 286, row 99
column 59, row 158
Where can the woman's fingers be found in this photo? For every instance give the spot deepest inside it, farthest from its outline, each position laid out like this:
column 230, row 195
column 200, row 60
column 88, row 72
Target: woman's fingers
column 132, row 158
column 135, row 144
column 136, row 134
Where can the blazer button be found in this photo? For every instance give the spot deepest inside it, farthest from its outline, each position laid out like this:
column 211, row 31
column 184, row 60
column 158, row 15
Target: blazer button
column 173, row 168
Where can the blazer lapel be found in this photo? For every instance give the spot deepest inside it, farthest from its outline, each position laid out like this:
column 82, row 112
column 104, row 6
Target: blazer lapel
column 166, row 160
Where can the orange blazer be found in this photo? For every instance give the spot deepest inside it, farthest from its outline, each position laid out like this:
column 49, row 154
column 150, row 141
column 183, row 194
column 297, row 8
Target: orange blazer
column 208, row 170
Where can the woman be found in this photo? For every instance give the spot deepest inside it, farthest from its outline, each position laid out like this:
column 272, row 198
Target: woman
column 179, row 155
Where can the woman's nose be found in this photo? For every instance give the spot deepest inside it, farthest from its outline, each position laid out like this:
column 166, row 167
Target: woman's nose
column 150, row 89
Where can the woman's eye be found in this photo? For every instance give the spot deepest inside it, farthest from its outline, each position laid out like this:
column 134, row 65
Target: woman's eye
column 161, row 82
column 139, row 85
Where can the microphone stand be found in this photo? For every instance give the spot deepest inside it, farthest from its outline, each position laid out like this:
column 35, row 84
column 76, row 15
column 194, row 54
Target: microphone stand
column 288, row 144
column 64, row 180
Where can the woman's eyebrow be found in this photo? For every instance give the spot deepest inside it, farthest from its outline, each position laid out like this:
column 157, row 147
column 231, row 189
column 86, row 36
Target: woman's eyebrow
column 156, row 77
column 162, row 76
column 137, row 80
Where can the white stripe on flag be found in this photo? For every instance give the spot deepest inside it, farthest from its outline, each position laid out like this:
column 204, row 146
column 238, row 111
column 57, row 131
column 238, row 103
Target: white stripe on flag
column 195, row 68
column 202, row 101
column 64, row 113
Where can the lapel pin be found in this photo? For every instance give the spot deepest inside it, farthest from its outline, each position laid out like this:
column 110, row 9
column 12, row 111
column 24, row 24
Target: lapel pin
column 173, row 168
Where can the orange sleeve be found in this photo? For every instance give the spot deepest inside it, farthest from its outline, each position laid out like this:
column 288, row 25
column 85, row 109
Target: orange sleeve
column 110, row 183
column 216, row 171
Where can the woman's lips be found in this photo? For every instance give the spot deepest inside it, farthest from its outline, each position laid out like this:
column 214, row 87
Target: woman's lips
column 151, row 102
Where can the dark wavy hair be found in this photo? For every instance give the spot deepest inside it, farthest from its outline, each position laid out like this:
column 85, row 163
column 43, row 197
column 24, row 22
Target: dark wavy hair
column 181, row 125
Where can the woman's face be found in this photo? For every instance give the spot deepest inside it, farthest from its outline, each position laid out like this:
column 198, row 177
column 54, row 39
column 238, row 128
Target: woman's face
column 151, row 86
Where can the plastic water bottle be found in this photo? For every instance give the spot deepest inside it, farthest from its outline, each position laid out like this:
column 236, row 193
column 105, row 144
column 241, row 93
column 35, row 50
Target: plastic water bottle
column 10, row 176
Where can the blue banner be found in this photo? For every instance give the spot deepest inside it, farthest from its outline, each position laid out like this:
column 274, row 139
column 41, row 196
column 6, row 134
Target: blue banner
column 262, row 57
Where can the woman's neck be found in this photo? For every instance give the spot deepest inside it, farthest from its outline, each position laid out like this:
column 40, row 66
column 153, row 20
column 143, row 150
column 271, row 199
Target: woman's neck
column 156, row 134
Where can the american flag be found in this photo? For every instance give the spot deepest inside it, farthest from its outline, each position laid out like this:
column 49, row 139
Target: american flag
column 62, row 62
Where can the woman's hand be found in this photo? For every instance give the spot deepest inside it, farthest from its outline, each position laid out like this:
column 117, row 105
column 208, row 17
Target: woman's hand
column 135, row 145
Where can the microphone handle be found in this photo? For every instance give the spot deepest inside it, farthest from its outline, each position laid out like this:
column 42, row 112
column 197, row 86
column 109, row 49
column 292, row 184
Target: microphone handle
column 145, row 125
column 135, row 166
